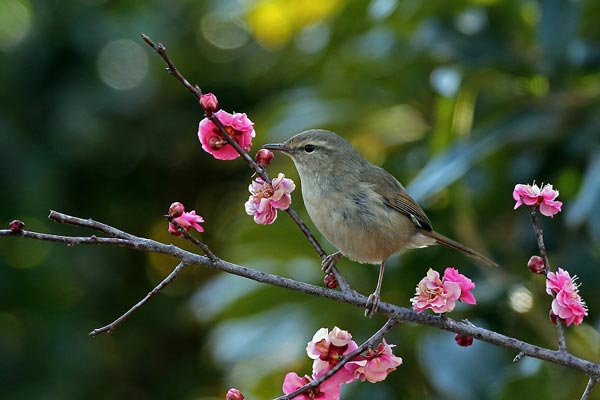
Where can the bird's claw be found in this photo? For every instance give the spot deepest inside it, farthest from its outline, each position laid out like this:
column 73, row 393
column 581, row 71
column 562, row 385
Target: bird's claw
column 372, row 304
column 330, row 261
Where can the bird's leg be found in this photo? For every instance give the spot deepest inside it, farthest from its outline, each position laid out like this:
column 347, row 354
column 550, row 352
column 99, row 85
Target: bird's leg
column 375, row 297
column 330, row 261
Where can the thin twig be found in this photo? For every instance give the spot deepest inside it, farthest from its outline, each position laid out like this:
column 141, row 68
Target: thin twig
column 539, row 235
column 588, row 389
column 171, row 68
column 88, row 223
column 197, row 92
column 392, row 311
column 343, row 361
column 108, row 329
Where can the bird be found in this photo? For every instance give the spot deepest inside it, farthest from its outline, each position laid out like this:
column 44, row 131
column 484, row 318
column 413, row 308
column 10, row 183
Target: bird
column 360, row 208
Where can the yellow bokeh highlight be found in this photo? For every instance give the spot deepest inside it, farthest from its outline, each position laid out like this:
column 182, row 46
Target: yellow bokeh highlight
column 274, row 22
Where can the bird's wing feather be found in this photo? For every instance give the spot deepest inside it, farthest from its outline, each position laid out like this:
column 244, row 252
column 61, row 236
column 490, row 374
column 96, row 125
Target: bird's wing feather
column 396, row 197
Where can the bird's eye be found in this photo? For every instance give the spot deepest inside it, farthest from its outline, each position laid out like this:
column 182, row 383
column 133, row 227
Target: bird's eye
column 309, row 148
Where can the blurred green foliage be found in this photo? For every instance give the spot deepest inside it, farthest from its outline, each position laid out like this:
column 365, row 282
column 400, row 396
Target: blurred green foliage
column 463, row 99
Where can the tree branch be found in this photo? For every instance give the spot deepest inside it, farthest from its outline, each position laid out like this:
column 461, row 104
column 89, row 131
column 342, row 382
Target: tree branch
column 393, row 312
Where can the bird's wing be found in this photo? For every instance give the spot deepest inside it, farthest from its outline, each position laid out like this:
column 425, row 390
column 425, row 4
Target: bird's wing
column 403, row 203
column 396, row 197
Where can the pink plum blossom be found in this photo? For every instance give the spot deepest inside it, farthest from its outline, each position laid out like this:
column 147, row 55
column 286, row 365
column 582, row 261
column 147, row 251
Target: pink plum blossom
column 326, row 348
column 328, row 390
column 532, row 195
column 441, row 294
column 567, row 304
column 267, row 198
column 377, row 363
column 186, row 220
column 237, row 125
column 466, row 285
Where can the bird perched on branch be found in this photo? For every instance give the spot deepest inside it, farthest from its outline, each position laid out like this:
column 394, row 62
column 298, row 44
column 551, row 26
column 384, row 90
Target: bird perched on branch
column 360, row 208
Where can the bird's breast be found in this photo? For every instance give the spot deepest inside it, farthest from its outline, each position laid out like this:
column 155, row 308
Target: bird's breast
column 356, row 221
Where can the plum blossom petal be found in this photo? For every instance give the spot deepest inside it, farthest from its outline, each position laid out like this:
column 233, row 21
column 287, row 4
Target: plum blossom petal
column 567, row 304
column 377, row 363
column 238, row 125
column 466, row 285
column 326, row 348
column 436, row 294
column 532, row 195
column 328, row 390
column 266, row 199
column 186, row 220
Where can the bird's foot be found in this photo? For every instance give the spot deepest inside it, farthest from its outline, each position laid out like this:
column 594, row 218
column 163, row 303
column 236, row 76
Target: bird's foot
column 330, row 261
column 372, row 304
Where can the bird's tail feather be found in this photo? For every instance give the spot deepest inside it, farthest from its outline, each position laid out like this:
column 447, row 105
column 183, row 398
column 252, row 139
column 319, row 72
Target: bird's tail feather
column 445, row 241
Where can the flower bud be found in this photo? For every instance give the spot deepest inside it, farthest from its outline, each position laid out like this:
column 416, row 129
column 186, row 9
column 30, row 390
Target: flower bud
column 17, row 226
column 216, row 142
column 176, row 209
column 536, row 265
column 553, row 317
column 234, row 394
column 264, row 157
column 463, row 340
column 330, row 281
column 209, row 102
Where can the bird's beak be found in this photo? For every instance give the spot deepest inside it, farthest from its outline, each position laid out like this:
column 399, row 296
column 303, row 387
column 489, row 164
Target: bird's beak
column 276, row 147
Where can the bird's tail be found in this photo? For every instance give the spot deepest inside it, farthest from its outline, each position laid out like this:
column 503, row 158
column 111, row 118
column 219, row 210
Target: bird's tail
column 445, row 241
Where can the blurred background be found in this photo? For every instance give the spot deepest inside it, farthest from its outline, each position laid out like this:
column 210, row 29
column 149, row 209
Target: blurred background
column 460, row 100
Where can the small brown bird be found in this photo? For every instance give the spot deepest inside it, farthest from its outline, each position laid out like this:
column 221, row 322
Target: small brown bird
column 360, row 208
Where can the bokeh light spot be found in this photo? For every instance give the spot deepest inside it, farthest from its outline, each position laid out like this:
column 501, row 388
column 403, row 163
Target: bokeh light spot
column 122, row 64
column 520, row 299
column 471, row 21
column 381, row 9
column 15, row 21
column 445, row 80
column 224, row 32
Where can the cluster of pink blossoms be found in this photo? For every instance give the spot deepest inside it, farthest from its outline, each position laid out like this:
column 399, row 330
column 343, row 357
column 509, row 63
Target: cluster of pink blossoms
column 441, row 294
column 186, row 220
column 532, row 195
column 266, row 198
column 326, row 349
column 567, row 304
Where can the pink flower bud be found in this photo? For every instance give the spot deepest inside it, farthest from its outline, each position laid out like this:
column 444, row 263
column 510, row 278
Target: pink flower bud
column 209, row 102
column 176, row 209
column 463, row 340
column 536, row 265
column 264, row 157
column 330, row 281
column 234, row 394
column 16, row 226
column 215, row 143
